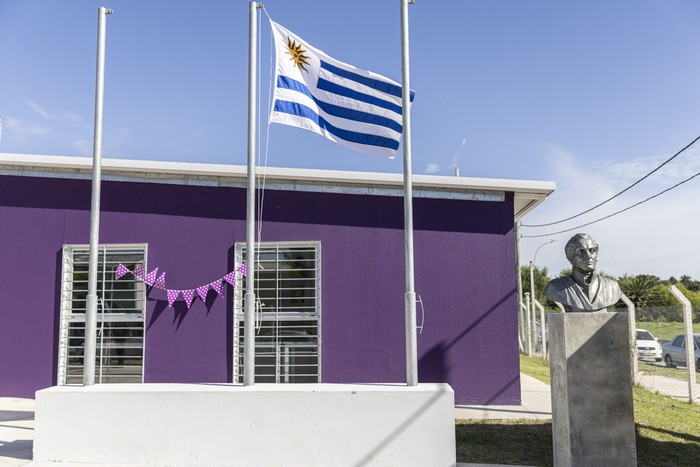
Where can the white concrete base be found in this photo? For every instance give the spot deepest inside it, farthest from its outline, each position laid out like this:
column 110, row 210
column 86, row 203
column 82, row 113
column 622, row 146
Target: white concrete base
column 267, row 424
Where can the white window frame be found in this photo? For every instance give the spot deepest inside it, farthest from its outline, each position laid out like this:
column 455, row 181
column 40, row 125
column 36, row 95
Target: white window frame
column 69, row 316
column 274, row 316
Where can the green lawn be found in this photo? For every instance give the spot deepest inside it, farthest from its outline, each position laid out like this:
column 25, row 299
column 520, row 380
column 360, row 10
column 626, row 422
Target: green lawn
column 679, row 373
column 668, row 432
column 536, row 367
column 665, row 331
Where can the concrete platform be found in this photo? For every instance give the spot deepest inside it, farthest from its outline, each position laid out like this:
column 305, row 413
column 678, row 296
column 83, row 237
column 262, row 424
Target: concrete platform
column 17, row 423
column 671, row 387
column 267, row 424
column 536, row 404
column 17, row 418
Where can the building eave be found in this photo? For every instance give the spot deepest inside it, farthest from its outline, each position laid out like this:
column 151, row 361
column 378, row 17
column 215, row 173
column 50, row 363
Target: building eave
column 528, row 194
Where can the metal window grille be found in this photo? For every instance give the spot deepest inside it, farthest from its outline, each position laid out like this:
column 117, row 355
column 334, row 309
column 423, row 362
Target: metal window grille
column 288, row 313
column 120, row 315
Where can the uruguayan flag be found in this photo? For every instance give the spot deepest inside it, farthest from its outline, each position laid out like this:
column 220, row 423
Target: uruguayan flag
column 354, row 107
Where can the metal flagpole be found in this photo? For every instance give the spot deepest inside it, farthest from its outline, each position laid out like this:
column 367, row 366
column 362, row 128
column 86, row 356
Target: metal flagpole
column 249, row 317
column 91, row 311
column 410, row 296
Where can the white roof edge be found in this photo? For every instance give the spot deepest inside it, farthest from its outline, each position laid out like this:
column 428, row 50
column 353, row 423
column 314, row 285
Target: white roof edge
column 541, row 188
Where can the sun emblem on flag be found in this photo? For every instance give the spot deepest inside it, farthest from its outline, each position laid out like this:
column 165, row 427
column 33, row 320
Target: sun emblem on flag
column 298, row 54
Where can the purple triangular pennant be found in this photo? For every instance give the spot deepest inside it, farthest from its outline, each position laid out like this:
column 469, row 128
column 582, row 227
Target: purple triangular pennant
column 160, row 282
column 172, row 296
column 139, row 271
column 231, row 278
column 150, row 278
column 189, row 297
column 218, row 286
column 202, row 292
column 242, row 268
column 121, row 270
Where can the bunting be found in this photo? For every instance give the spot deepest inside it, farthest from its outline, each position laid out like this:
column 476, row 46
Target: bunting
column 121, row 271
column 172, row 294
column 202, row 292
column 218, row 286
column 188, row 295
column 139, row 271
column 160, row 282
column 150, row 278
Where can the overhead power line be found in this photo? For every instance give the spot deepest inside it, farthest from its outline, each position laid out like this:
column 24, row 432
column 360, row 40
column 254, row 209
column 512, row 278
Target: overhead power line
column 618, row 212
column 615, row 196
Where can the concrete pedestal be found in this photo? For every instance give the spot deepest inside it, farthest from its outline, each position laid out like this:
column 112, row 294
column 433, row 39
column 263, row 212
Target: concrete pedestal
column 263, row 425
column 592, row 408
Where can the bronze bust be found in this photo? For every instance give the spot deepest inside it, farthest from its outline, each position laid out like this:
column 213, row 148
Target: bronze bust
column 583, row 290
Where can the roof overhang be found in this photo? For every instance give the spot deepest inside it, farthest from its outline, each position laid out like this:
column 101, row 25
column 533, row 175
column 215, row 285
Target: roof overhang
column 527, row 194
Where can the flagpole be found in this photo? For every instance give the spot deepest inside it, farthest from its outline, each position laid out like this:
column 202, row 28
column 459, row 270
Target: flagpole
column 249, row 314
column 90, row 352
column 410, row 296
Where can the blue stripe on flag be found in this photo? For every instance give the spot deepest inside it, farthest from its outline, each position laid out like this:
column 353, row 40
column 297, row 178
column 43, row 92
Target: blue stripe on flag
column 301, row 110
column 383, row 86
column 326, row 85
column 286, row 82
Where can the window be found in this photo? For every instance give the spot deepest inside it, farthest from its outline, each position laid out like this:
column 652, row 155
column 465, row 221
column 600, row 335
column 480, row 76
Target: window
column 288, row 313
column 644, row 336
column 120, row 315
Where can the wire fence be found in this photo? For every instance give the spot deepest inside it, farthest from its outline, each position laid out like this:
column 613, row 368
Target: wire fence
column 667, row 317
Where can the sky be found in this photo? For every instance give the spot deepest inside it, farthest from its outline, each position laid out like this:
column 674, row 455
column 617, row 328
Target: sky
column 591, row 95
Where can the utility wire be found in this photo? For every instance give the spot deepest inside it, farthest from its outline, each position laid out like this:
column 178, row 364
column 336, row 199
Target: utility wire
column 618, row 212
column 615, row 196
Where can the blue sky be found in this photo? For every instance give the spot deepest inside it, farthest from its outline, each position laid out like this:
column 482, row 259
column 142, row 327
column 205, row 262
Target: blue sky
column 591, row 95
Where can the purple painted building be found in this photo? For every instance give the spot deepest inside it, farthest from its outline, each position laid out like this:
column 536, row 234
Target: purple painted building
column 330, row 276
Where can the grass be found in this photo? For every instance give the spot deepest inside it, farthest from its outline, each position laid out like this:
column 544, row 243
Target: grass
column 665, row 331
column 536, row 367
column 668, row 431
column 508, row 442
column 675, row 373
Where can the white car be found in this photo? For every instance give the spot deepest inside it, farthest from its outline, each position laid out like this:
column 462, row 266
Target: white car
column 648, row 347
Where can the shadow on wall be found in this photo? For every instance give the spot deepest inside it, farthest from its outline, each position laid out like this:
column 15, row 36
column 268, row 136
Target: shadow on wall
column 57, row 315
column 179, row 308
column 280, row 206
column 179, row 311
column 432, row 367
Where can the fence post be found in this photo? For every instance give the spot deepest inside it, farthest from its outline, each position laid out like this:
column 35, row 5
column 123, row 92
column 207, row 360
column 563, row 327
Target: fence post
column 632, row 316
column 521, row 326
column 527, row 323
column 543, row 327
column 689, row 344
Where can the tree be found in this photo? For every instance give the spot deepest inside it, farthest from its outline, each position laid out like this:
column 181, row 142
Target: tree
column 541, row 279
column 689, row 283
column 641, row 289
column 694, row 299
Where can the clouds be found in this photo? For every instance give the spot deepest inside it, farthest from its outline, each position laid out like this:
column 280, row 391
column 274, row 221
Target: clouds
column 658, row 237
column 22, row 131
column 433, row 169
column 34, row 127
column 445, row 164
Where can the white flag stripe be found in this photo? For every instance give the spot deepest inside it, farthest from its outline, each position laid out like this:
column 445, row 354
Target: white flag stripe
column 359, row 87
column 348, row 105
column 319, row 105
column 339, row 122
column 293, row 120
column 307, row 124
column 347, row 102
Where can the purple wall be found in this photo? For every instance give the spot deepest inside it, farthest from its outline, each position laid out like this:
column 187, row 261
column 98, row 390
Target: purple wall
column 465, row 273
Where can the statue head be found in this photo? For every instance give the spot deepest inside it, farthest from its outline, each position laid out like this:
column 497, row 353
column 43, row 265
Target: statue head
column 582, row 252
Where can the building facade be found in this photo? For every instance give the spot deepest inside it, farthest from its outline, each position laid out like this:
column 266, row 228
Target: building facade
column 329, row 276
